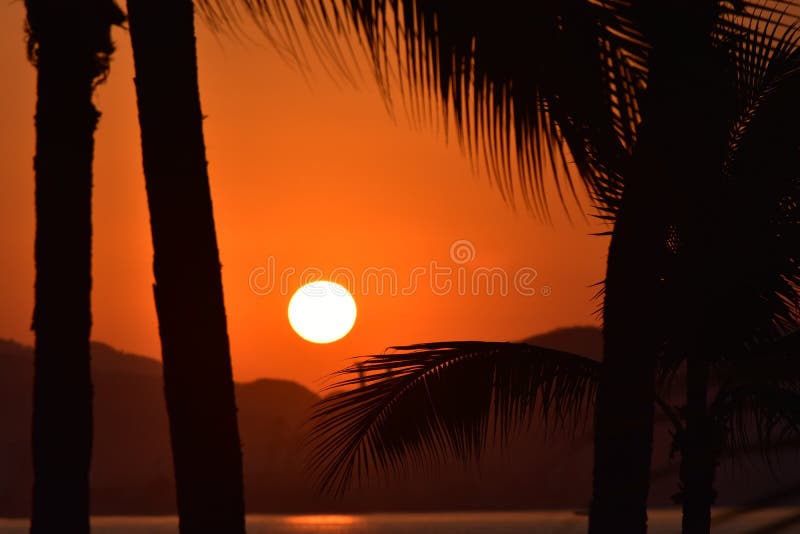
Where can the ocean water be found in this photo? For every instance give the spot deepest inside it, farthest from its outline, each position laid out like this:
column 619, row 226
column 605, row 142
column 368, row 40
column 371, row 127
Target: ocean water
column 552, row 522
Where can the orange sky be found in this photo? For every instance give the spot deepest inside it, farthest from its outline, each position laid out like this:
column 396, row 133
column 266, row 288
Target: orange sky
column 310, row 174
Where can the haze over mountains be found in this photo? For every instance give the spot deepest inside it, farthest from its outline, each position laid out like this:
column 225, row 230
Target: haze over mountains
column 132, row 469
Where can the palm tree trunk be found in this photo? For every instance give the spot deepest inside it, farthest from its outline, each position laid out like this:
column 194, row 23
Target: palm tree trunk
column 625, row 396
column 624, row 408
column 698, row 460
column 62, row 422
column 68, row 61
column 198, row 380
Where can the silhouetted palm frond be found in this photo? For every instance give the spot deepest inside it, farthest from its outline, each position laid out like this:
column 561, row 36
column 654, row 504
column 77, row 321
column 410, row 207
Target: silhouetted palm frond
column 748, row 226
column 758, row 398
column 762, row 237
column 429, row 401
column 527, row 84
column 776, row 361
column 757, row 414
column 533, row 87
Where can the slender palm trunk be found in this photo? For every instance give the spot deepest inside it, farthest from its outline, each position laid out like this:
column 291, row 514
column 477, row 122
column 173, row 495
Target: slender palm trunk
column 69, row 44
column 198, row 381
column 62, row 423
column 698, row 459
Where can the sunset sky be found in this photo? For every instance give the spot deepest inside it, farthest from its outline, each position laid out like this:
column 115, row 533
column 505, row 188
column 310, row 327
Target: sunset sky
column 305, row 173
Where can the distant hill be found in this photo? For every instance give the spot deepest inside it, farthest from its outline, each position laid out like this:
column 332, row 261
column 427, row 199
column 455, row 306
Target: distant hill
column 132, row 469
column 584, row 340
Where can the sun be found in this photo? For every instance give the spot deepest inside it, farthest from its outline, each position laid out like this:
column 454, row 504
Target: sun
column 322, row 312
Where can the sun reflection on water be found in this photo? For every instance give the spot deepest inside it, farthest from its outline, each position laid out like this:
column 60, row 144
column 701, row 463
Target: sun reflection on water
column 323, row 520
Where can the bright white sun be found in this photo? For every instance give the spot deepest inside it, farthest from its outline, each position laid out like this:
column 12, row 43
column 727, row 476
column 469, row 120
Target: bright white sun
column 322, row 312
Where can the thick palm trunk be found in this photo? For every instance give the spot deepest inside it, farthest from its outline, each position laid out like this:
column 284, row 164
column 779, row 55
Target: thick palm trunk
column 68, row 59
column 631, row 328
column 188, row 287
column 625, row 396
column 698, row 459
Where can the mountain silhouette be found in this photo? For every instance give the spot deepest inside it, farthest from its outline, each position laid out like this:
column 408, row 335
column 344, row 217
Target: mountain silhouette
column 132, row 465
column 584, row 340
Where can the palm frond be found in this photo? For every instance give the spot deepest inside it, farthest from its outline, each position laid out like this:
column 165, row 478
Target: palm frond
column 522, row 81
column 765, row 55
column 776, row 361
column 742, row 268
column 761, row 239
column 533, row 89
column 763, row 414
column 425, row 402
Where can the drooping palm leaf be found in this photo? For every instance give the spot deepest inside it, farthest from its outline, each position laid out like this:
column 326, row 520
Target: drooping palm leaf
column 467, row 55
column 429, row 401
column 514, row 116
column 774, row 362
column 532, row 86
column 762, row 414
column 760, row 243
column 758, row 398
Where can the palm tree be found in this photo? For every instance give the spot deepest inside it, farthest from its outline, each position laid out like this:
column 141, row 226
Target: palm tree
column 641, row 86
column 755, row 407
column 198, row 379
column 757, row 254
column 70, row 45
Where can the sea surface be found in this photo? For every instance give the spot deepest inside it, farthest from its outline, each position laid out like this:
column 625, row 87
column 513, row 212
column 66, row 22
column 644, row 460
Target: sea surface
column 551, row 522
